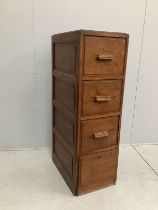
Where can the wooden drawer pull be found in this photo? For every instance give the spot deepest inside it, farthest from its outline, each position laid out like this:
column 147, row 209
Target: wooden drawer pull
column 102, row 98
column 100, row 135
column 102, row 57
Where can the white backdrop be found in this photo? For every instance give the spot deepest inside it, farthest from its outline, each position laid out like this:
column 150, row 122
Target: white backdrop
column 26, row 27
column 145, row 125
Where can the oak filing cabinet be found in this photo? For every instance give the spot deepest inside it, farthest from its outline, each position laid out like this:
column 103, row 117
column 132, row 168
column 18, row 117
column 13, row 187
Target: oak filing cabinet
column 88, row 83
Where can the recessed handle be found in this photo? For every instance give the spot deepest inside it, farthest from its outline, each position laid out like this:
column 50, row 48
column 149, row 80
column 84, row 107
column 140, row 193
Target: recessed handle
column 102, row 98
column 100, row 134
column 103, row 57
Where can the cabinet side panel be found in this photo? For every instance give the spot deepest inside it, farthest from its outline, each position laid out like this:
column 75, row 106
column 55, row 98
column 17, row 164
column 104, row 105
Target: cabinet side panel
column 65, row 58
column 64, row 126
column 65, row 94
column 65, row 105
column 63, row 156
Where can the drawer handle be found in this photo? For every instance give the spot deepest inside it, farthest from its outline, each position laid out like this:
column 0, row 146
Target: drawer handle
column 102, row 98
column 101, row 134
column 102, row 57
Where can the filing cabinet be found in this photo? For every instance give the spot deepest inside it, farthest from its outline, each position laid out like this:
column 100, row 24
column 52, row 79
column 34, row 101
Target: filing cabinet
column 88, row 72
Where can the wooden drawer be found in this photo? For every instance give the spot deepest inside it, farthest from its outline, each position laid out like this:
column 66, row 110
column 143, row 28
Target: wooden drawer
column 97, row 170
column 104, row 55
column 101, row 97
column 99, row 133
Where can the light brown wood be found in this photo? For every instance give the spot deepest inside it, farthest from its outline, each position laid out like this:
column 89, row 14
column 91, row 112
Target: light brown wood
column 105, row 57
column 97, row 170
column 102, row 98
column 108, row 95
column 98, row 116
column 101, row 134
column 99, row 77
column 106, row 128
column 111, row 53
column 88, row 71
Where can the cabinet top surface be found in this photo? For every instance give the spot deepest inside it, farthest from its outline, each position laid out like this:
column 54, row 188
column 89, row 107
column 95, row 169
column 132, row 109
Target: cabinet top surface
column 94, row 33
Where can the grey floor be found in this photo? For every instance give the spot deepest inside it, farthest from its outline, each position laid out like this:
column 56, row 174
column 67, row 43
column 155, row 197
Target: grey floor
column 29, row 181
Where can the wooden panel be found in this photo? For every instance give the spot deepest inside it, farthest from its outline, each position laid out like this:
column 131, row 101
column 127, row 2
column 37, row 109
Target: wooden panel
column 64, row 76
column 63, row 156
column 63, row 172
column 65, row 57
column 63, row 141
column 64, row 127
column 97, row 170
column 87, row 107
column 65, row 94
column 99, row 133
column 101, row 97
column 104, row 55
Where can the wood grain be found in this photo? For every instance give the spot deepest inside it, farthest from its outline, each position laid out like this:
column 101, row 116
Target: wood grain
column 91, row 127
column 88, row 72
column 104, row 56
column 97, row 169
column 109, row 89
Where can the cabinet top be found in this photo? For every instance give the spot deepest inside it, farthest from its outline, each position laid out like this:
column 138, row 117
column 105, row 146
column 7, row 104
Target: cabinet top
column 94, row 33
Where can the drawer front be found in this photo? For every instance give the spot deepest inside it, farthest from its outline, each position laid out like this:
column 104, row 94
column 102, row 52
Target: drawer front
column 99, row 133
column 98, row 170
column 101, row 97
column 104, row 55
